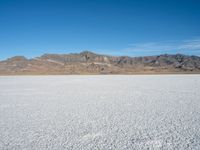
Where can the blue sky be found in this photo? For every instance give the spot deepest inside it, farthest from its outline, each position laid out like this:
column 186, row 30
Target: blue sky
column 114, row 27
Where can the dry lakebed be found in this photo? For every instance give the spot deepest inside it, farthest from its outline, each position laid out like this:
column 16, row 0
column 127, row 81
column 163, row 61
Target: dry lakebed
column 93, row 112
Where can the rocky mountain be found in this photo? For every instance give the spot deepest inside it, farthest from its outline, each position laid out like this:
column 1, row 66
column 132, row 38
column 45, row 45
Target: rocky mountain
column 88, row 62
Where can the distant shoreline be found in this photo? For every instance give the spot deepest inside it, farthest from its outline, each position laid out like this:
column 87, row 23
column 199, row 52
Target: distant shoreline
column 175, row 73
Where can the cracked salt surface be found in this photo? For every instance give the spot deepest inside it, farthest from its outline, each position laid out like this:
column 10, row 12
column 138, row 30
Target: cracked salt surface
column 100, row 112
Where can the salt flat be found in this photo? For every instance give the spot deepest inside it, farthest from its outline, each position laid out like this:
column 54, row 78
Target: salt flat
column 100, row 112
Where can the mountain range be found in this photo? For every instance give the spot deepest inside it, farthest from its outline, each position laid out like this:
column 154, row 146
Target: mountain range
column 88, row 62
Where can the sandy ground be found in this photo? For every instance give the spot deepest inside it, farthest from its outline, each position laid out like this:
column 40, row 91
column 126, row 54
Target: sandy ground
column 100, row 112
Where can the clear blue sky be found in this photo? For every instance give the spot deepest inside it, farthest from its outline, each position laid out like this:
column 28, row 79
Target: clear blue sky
column 115, row 27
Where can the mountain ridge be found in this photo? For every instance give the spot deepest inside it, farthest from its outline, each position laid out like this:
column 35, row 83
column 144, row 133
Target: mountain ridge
column 88, row 62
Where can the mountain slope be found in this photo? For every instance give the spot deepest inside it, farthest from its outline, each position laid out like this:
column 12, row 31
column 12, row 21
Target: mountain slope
column 90, row 63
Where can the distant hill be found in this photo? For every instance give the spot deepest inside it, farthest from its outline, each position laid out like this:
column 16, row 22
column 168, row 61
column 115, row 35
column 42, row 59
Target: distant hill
column 88, row 62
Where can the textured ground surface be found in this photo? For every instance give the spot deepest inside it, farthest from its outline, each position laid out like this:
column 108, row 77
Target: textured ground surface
column 100, row 112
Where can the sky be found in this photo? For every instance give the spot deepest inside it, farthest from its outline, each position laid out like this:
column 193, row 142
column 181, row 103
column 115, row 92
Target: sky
column 114, row 27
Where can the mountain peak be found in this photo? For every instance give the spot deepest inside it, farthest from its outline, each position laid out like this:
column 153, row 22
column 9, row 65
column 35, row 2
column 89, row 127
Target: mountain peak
column 86, row 52
column 17, row 58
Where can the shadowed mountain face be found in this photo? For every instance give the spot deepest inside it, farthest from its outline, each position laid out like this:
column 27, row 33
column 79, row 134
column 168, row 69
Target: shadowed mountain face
column 90, row 63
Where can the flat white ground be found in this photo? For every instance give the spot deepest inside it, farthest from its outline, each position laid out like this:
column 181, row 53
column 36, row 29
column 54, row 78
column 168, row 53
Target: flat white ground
column 100, row 112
